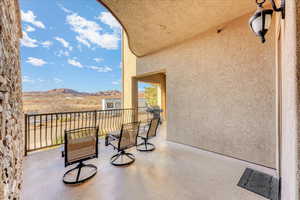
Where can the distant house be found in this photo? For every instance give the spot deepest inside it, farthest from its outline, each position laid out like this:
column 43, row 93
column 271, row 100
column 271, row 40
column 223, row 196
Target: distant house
column 111, row 103
column 116, row 103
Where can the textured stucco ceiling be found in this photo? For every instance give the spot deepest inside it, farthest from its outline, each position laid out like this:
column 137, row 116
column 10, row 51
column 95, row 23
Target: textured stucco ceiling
column 155, row 24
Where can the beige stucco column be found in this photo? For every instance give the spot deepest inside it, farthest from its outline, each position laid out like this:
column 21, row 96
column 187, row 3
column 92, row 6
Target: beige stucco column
column 163, row 97
column 134, row 93
column 290, row 50
column 128, row 71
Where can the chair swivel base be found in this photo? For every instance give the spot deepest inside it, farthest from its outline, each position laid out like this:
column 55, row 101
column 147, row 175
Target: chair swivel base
column 145, row 146
column 73, row 177
column 119, row 156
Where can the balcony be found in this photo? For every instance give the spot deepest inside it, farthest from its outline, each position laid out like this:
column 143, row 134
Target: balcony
column 173, row 171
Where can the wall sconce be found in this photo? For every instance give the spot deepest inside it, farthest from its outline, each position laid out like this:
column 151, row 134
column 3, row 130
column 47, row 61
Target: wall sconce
column 260, row 22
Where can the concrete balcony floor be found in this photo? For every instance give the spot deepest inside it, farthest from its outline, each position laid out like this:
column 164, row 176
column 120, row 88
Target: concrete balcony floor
column 171, row 172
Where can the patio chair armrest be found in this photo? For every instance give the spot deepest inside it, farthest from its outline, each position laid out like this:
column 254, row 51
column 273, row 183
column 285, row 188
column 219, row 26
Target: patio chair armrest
column 114, row 137
column 110, row 137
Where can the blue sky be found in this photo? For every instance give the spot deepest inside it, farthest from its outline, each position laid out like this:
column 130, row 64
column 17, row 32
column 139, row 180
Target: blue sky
column 69, row 44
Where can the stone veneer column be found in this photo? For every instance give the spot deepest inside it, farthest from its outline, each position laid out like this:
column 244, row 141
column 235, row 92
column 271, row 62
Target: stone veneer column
column 11, row 117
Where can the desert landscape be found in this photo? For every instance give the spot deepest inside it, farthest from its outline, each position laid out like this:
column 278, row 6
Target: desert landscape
column 51, row 112
column 64, row 100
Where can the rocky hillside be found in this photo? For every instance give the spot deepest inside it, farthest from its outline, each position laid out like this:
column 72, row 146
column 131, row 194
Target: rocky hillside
column 74, row 92
column 63, row 100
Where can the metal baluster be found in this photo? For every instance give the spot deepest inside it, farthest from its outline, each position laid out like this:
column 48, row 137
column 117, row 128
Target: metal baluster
column 46, row 135
column 61, row 128
column 51, row 127
column 74, row 120
column 106, row 122
column 109, row 120
column 69, row 121
column 29, row 133
column 101, row 122
column 90, row 119
column 56, row 129
column 113, row 114
column 95, row 118
column 77, row 117
column 40, row 130
column 82, row 120
column 26, row 133
column 34, row 130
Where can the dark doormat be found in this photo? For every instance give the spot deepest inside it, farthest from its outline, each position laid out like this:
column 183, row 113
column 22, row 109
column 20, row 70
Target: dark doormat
column 260, row 183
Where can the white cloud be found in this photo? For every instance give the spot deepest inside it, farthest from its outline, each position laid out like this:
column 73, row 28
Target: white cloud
column 64, row 43
column 36, row 61
column 98, row 60
column 101, row 69
column 57, row 80
column 62, row 53
column 64, row 9
column 86, row 43
column 28, row 42
column 89, row 32
column 32, row 43
column 108, row 19
column 29, row 17
column 29, row 28
column 46, row 44
column 121, row 65
column 115, row 82
column 27, row 79
column 75, row 63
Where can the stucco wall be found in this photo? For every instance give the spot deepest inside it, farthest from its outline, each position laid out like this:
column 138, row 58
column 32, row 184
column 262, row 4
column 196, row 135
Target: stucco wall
column 11, row 118
column 221, row 92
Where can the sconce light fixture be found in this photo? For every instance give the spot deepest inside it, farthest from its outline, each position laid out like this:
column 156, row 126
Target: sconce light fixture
column 260, row 22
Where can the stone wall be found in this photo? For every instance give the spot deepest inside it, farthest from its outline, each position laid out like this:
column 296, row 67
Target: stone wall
column 11, row 117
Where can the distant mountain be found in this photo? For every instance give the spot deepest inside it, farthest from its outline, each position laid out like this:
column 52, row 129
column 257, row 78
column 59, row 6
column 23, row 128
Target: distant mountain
column 74, row 92
column 109, row 93
column 63, row 91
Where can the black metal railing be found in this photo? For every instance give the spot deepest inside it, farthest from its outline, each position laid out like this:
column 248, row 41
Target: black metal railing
column 47, row 129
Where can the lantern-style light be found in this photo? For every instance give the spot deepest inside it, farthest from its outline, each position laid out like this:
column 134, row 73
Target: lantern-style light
column 260, row 22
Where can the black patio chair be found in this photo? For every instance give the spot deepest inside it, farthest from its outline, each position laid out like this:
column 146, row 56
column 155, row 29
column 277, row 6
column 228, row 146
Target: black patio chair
column 80, row 145
column 125, row 140
column 146, row 135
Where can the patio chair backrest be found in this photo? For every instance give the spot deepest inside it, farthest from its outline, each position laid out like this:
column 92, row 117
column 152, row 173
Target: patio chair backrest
column 128, row 136
column 153, row 127
column 81, row 144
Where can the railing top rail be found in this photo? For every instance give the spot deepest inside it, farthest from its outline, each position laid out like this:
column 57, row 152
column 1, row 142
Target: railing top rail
column 86, row 111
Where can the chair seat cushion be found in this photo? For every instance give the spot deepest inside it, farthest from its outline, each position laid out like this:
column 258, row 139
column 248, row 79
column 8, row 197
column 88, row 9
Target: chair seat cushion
column 81, row 153
column 115, row 143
